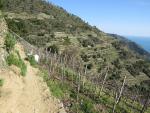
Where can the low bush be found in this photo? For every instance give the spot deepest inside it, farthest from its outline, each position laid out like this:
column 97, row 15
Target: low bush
column 14, row 59
column 87, row 42
column 54, row 86
column 10, row 42
column 23, row 68
column 84, row 57
column 67, row 41
column 87, row 106
column 2, row 3
column 32, row 61
column 70, row 74
column 1, row 82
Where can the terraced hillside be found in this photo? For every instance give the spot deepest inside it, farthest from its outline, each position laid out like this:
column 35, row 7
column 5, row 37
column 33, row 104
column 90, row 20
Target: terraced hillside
column 27, row 93
column 88, row 52
column 43, row 24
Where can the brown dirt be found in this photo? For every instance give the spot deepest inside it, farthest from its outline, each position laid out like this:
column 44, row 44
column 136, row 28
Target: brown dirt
column 27, row 94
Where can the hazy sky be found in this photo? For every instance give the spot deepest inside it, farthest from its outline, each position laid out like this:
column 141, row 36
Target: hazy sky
column 124, row 17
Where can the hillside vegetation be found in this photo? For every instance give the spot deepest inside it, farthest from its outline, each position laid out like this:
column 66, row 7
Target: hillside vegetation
column 84, row 67
column 21, row 89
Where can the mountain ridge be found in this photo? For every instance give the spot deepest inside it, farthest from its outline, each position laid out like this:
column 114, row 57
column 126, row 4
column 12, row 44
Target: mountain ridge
column 132, row 45
column 143, row 41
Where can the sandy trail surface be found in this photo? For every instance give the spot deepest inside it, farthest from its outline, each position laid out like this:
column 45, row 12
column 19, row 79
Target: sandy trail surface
column 27, row 94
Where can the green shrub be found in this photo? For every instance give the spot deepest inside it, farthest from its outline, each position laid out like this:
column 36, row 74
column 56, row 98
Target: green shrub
column 57, row 89
column 67, row 41
column 32, row 61
column 115, row 74
column 1, row 82
column 54, row 86
column 87, row 106
column 70, row 74
column 19, row 26
column 84, row 57
column 2, row 3
column 87, row 43
column 13, row 59
column 10, row 42
column 23, row 68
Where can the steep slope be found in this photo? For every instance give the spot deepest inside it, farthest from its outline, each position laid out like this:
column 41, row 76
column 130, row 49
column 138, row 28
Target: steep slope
column 84, row 53
column 43, row 24
column 28, row 94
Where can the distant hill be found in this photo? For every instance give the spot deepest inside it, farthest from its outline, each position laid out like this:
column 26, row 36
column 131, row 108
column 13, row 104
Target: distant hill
column 142, row 41
column 132, row 45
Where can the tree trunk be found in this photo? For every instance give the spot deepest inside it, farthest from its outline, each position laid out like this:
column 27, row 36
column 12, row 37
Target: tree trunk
column 118, row 97
column 104, row 81
column 144, row 108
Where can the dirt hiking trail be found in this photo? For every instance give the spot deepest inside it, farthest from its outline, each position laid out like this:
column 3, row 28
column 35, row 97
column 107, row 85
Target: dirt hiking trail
column 27, row 94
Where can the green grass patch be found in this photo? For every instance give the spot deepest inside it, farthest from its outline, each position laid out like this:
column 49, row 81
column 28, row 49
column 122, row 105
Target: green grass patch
column 10, row 42
column 55, row 88
column 32, row 61
column 70, row 74
column 54, row 85
column 87, row 100
column 87, row 106
column 15, row 59
column 1, row 82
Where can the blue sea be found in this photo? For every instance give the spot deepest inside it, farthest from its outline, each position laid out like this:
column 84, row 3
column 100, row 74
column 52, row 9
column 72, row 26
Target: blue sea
column 142, row 41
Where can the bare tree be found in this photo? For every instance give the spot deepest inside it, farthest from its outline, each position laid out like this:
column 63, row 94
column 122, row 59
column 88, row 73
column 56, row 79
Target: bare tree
column 84, row 77
column 146, row 103
column 62, row 70
column 118, row 96
column 104, row 81
column 78, row 88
